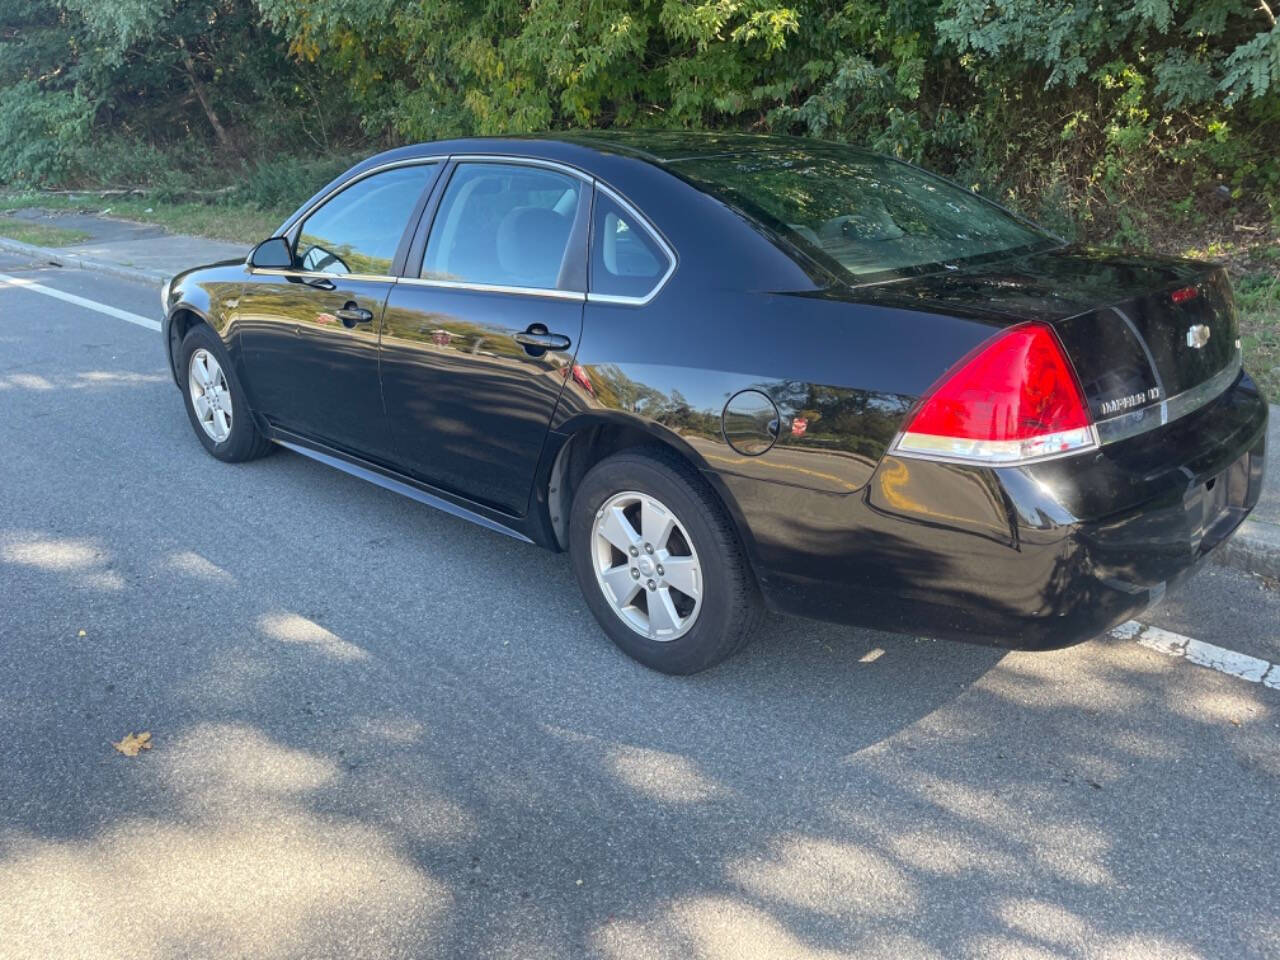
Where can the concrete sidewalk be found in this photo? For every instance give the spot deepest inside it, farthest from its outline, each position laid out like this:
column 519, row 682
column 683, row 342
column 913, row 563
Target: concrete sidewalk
column 135, row 251
column 151, row 254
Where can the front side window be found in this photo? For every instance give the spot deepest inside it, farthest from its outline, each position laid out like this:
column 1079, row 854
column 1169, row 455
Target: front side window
column 625, row 259
column 504, row 225
column 868, row 216
column 358, row 230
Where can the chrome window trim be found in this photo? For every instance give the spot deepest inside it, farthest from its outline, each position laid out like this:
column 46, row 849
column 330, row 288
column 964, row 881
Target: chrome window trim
column 617, row 298
column 554, row 293
column 551, row 292
column 523, row 161
column 643, row 222
column 364, row 175
column 580, row 295
column 314, row 275
column 1134, row 422
column 298, row 218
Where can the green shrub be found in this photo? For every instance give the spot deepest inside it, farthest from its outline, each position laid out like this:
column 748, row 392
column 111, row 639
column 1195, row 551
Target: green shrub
column 286, row 182
column 114, row 160
column 41, row 133
column 1095, row 116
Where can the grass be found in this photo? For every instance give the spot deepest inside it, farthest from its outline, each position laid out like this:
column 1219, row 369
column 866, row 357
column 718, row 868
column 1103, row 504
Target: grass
column 218, row 220
column 1258, row 302
column 40, row 234
column 234, row 222
column 1253, row 257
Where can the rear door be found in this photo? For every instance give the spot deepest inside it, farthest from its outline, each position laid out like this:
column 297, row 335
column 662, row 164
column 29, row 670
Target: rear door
column 310, row 333
column 479, row 335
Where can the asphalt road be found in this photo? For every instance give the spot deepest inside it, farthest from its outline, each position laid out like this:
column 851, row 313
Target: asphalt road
column 379, row 731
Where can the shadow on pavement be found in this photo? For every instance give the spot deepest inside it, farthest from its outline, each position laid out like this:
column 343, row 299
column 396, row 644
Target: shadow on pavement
column 379, row 731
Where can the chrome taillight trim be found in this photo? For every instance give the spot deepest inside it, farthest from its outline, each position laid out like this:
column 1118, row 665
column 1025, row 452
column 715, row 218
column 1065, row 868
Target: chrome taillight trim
column 996, row 453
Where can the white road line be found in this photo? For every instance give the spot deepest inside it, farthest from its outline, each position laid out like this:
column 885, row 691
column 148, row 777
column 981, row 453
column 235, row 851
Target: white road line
column 1253, row 669
column 25, row 284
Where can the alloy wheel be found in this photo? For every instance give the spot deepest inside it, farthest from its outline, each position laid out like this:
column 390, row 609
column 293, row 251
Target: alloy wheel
column 210, row 395
column 646, row 566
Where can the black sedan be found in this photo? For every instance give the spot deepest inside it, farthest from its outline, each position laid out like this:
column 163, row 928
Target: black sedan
column 728, row 373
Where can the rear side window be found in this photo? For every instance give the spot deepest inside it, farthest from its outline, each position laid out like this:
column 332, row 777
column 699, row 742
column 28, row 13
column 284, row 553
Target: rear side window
column 626, row 261
column 358, row 230
column 504, row 224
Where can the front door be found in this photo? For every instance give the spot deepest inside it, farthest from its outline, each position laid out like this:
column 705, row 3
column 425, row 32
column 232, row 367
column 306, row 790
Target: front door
column 475, row 349
column 310, row 334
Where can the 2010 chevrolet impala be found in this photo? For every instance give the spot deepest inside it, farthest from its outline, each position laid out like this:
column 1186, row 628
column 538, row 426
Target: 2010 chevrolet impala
column 728, row 373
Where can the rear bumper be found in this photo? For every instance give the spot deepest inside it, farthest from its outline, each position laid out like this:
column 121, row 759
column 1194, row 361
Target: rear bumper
column 1035, row 557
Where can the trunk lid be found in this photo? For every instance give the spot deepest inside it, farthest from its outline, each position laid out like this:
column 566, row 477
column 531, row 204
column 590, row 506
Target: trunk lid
column 1134, row 344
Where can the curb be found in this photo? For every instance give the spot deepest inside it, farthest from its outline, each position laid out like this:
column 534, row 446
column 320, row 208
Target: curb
column 62, row 258
column 1253, row 548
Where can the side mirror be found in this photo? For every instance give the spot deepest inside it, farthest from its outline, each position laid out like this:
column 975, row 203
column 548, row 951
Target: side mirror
column 274, row 253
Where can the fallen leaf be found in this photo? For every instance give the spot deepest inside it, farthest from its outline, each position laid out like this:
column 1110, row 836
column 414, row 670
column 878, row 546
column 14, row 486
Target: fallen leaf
column 133, row 742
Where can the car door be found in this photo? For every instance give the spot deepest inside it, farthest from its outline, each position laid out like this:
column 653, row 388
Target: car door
column 477, row 340
column 310, row 333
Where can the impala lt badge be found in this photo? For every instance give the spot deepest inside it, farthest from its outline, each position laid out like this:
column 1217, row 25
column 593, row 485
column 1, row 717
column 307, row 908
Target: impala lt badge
column 1197, row 336
column 1128, row 403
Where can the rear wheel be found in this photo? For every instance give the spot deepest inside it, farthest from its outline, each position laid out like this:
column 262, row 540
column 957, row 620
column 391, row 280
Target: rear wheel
column 659, row 563
column 215, row 401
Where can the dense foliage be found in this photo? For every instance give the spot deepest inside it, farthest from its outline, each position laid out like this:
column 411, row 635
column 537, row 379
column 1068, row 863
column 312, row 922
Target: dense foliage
column 1063, row 108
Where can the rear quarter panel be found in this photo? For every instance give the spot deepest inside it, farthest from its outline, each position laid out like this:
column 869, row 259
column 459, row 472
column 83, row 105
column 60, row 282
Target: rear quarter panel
column 841, row 375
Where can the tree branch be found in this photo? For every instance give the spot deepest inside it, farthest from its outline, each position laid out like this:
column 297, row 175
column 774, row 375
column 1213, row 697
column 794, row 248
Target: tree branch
column 203, row 96
column 1265, row 9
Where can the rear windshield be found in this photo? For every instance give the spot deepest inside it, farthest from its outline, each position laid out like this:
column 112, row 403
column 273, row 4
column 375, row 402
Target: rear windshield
column 869, row 216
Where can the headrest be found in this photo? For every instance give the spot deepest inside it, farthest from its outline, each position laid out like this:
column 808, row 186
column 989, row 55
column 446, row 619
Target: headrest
column 531, row 242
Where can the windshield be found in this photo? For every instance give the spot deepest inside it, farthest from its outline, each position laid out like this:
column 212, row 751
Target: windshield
column 870, row 216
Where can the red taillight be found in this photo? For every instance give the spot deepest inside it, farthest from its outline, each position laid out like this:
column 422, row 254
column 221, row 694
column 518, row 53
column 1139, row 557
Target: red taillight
column 1014, row 399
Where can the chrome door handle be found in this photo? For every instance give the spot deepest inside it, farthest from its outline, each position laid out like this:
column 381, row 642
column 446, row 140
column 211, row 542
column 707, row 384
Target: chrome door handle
column 543, row 341
column 350, row 315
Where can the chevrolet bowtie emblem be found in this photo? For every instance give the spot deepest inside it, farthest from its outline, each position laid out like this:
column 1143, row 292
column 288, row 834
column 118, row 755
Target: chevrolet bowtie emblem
column 1197, row 336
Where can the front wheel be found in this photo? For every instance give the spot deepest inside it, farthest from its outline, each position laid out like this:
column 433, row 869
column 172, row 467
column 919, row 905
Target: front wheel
column 215, row 401
column 659, row 563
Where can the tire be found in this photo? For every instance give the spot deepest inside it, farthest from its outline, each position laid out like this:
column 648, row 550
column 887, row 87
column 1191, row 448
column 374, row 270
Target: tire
column 702, row 549
column 235, row 437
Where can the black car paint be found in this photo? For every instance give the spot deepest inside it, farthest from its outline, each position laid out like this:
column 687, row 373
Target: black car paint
column 835, row 527
column 316, row 375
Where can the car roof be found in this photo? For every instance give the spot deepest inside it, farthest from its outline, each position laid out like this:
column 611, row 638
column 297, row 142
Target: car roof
column 672, row 146
column 658, row 147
